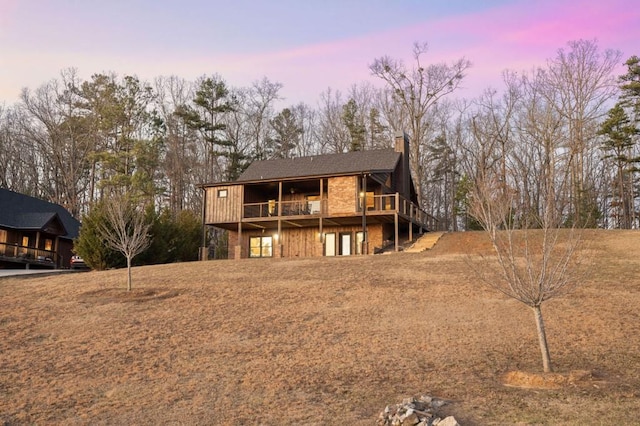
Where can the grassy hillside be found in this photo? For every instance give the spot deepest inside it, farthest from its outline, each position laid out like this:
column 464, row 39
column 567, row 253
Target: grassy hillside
column 316, row 341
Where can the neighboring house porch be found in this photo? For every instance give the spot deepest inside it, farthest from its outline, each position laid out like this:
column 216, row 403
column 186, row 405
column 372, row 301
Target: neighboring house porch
column 34, row 233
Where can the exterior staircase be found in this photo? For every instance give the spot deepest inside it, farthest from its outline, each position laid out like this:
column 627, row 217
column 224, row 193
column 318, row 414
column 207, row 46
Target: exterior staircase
column 426, row 242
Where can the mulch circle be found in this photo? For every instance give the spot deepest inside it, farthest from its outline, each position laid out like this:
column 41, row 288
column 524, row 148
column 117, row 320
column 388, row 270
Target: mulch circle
column 526, row 380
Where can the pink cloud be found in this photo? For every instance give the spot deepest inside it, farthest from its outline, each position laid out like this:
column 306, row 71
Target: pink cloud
column 525, row 35
column 517, row 36
column 7, row 8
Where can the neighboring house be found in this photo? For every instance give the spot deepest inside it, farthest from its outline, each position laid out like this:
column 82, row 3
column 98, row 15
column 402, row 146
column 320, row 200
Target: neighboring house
column 313, row 206
column 34, row 232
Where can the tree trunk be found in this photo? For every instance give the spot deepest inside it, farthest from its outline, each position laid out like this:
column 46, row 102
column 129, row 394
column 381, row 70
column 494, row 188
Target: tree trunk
column 542, row 338
column 128, row 273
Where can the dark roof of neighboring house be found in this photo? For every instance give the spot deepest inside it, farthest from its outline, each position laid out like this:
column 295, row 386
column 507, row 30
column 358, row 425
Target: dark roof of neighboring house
column 19, row 211
column 378, row 160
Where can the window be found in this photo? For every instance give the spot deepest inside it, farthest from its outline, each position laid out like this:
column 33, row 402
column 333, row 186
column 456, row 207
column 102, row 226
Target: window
column 25, row 244
column 261, row 247
column 3, row 236
column 222, row 193
column 48, row 244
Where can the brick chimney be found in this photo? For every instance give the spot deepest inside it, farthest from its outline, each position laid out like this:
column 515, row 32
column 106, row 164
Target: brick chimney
column 404, row 177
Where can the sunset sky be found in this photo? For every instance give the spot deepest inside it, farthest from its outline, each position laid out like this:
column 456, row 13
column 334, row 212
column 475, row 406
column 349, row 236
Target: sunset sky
column 307, row 46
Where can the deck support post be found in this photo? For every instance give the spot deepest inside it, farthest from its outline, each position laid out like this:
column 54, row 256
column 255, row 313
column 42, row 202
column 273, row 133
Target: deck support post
column 363, row 204
column 238, row 249
column 203, row 247
column 395, row 222
column 411, row 222
column 322, row 211
column 279, row 247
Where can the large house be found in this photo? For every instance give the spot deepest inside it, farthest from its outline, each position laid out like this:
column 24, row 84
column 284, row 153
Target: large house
column 358, row 202
column 34, row 233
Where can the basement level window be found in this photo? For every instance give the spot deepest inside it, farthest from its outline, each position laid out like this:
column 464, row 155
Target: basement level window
column 222, row 193
column 261, row 247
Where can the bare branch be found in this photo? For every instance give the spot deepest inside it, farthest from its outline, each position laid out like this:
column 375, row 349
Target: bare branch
column 533, row 266
column 125, row 229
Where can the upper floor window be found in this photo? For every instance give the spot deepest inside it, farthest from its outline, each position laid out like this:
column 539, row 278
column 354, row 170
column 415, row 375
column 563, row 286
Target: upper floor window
column 222, row 193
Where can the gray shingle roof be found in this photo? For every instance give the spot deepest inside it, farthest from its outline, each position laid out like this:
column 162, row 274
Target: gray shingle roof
column 19, row 211
column 321, row 165
column 34, row 220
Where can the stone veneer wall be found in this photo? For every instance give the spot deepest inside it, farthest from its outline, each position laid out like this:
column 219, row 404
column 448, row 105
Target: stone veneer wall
column 342, row 195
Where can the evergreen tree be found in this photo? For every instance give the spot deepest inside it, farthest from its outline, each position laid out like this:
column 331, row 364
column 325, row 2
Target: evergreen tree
column 127, row 151
column 630, row 100
column 377, row 129
column 212, row 101
column 175, row 237
column 619, row 135
column 90, row 244
column 630, row 86
column 351, row 120
column 287, row 134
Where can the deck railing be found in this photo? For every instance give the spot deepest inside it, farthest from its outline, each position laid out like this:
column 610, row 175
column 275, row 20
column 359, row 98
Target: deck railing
column 289, row 208
column 28, row 255
column 401, row 205
column 391, row 203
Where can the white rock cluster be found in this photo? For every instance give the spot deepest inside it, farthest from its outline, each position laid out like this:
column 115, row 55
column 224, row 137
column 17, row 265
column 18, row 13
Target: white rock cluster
column 415, row 412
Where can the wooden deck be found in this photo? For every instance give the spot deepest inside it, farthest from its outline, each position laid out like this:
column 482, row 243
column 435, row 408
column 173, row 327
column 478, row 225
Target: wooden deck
column 382, row 208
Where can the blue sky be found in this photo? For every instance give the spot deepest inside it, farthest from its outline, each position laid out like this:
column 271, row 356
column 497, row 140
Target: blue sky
column 307, row 46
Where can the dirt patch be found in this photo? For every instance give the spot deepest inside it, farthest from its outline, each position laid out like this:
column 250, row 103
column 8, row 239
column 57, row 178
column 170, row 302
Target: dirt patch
column 136, row 295
column 528, row 380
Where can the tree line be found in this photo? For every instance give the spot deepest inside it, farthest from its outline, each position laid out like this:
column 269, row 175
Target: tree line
column 568, row 127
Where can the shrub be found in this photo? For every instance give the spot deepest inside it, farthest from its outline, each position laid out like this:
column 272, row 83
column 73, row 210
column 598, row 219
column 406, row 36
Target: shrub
column 90, row 245
column 175, row 238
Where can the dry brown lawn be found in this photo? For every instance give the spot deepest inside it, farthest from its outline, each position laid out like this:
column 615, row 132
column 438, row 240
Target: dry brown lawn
column 327, row 341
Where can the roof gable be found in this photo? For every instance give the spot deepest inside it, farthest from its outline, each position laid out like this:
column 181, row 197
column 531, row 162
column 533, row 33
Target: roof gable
column 380, row 160
column 19, row 211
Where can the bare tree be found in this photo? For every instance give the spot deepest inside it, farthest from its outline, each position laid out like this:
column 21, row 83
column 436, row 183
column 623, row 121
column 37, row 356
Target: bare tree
column 258, row 110
column 19, row 156
column 391, row 113
column 333, row 135
column 357, row 116
column 579, row 84
column 441, row 162
column 62, row 136
column 417, row 90
column 532, row 266
column 125, row 229
column 307, row 118
column 181, row 162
